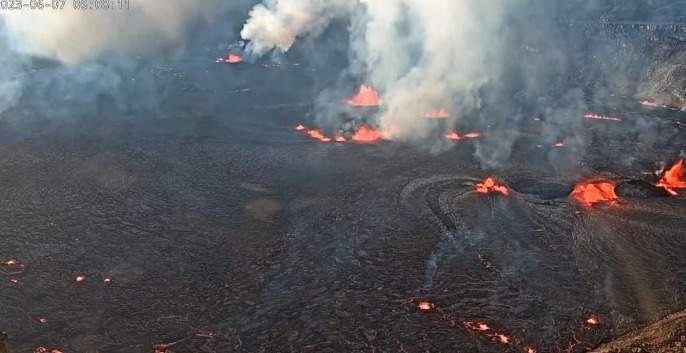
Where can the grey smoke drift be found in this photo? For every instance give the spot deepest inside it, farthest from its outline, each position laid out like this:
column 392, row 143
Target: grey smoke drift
column 422, row 57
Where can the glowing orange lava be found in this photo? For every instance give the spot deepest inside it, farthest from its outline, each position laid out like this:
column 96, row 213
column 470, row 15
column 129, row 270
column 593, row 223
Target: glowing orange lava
column 10, row 262
column 43, row 320
column 589, row 193
column 80, row 278
column 365, row 97
column 14, row 280
column 455, row 136
column 502, row 338
column 476, row 326
column 233, row 59
column 489, row 186
column 673, row 178
column 530, row 350
column 365, row 134
column 340, row 138
column 299, row 128
column 593, row 321
column 593, row 116
column 441, row 114
column 425, row 305
column 316, row 134
column 107, row 280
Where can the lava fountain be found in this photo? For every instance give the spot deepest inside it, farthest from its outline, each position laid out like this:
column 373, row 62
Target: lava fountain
column 673, row 178
column 365, row 134
column 365, row 97
column 490, row 186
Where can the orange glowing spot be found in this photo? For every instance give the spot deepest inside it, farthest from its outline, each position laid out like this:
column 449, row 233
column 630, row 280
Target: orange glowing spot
column 472, row 135
column 107, row 280
column 80, row 278
column 559, row 145
column 489, row 186
column 43, row 320
column 530, row 350
column 502, row 338
column 233, row 59
column 593, row 321
column 340, row 138
column 366, row 134
column 365, row 97
column 454, row 136
column 593, row 116
column 592, row 192
column 425, row 306
column 477, row 326
column 14, row 280
column 441, row 114
column 673, row 178
column 299, row 128
column 11, row 262
column 316, row 134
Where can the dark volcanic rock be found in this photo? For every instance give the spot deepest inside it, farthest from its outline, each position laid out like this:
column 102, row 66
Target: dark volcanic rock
column 665, row 336
column 639, row 189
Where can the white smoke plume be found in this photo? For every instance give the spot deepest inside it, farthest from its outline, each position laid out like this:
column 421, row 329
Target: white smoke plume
column 276, row 24
column 70, row 35
column 422, row 56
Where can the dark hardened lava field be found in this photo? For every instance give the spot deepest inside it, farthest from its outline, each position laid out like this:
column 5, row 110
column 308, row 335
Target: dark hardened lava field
column 223, row 230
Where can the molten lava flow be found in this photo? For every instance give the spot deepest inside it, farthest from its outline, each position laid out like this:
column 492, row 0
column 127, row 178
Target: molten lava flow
column 455, row 136
column 489, row 186
column 10, row 262
column 233, row 59
column 502, row 338
column 441, row 114
column 673, row 178
column 316, row 134
column 300, row 128
column 476, row 326
column 592, row 321
column 593, row 116
column 340, row 138
column 530, row 350
column 366, row 134
column 592, row 192
column 366, row 97
column 425, row 305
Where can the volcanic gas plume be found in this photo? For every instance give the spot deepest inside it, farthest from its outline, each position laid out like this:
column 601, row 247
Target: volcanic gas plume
column 420, row 55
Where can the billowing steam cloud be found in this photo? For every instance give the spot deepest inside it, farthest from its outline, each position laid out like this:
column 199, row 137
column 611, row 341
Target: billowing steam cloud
column 71, row 35
column 423, row 56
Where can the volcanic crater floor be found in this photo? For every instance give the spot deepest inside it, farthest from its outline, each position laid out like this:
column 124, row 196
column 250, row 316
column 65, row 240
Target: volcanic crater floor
column 249, row 237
